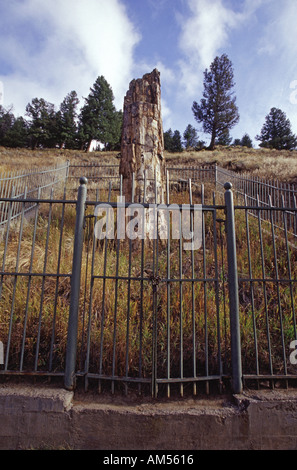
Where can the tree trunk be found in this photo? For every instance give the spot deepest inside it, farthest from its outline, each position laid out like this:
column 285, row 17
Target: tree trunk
column 213, row 140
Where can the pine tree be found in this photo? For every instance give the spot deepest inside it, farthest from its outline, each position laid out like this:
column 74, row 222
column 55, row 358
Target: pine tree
column 42, row 126
column 224, row 139
column 276, row 132
column 66, row 117
column 172, row 141
column 6, row 122
column 190, row 137
column 217, row 110
column 177, row 142
column 99, row 119
column 246, row 141
column 168, row 140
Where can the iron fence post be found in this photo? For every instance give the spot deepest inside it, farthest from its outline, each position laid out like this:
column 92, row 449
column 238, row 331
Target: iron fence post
column 233, row 292
column 69, row 378
column 67, row 170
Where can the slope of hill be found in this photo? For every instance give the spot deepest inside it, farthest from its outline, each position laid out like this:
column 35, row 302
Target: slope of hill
column 266, row 163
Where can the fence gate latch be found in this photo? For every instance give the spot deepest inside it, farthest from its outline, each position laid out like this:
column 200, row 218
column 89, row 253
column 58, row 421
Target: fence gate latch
column 155, row 280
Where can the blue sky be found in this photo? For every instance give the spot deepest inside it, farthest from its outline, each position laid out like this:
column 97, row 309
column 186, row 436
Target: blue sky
column 50, row 47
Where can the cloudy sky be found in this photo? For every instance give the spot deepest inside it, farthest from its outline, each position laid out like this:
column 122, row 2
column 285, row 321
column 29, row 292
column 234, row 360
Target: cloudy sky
column 50, row 47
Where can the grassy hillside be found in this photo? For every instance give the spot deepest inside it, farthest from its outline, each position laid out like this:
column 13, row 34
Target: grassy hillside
column 272, row 164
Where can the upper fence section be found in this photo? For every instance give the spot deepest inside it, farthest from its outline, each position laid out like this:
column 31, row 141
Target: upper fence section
column 258, row 189
column 27, row 185
column 254, row 191
column 243, row 184
column 249, row 190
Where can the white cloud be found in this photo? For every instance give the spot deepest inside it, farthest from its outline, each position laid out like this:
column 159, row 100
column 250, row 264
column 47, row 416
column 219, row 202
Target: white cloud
column 52, row 47
column 280, row 33
column 205, row 32
column 277, row 49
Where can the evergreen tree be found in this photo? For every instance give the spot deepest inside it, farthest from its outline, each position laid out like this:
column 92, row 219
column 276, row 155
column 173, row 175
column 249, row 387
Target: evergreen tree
column 276, row 132
column 116, row 131
column 168, row 140
column 99, row 119
column 66, row 119
column 246, row 141
column 190, row 137
column 6, row 122
column 172, row 141
column 42, row 125
column 217, row 110
column 13, row 131
column 17, row 136
column 237, row 142
column 176, row 142
column 224, row 138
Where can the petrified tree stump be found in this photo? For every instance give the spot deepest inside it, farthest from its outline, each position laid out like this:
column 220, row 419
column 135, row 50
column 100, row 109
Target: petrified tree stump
column 142, row 141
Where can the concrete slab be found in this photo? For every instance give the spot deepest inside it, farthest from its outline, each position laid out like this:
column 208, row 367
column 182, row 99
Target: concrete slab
column 46, row 417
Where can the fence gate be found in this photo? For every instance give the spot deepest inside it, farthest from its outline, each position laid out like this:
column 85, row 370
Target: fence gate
column 152, row 314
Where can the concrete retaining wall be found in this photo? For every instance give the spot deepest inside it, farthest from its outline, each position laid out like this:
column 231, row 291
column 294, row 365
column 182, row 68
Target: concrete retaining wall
column 53, row 418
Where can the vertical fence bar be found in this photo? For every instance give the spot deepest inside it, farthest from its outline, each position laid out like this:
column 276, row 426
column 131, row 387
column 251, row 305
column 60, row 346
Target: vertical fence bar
column 69, row 379
column 57, row 282
column 11, row 320
column 43, row 283
column 233, row 291
column 29, row 285
column 193, row 291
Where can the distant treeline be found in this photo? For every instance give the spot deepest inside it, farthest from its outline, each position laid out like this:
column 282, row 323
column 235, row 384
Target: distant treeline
column 98, row 120
column 67, row 127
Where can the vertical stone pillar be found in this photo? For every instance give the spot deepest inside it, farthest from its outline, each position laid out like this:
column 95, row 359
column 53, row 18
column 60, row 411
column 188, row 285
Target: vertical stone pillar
column 142, row 140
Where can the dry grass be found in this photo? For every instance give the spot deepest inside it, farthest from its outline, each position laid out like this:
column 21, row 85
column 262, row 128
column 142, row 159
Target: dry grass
column 17, row 159
column 265, row 163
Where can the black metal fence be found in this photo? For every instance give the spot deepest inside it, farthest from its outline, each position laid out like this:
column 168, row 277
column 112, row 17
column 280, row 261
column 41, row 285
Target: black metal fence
column 151, row 314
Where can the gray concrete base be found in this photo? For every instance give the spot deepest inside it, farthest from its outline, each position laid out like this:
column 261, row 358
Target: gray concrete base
column 39, row 417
